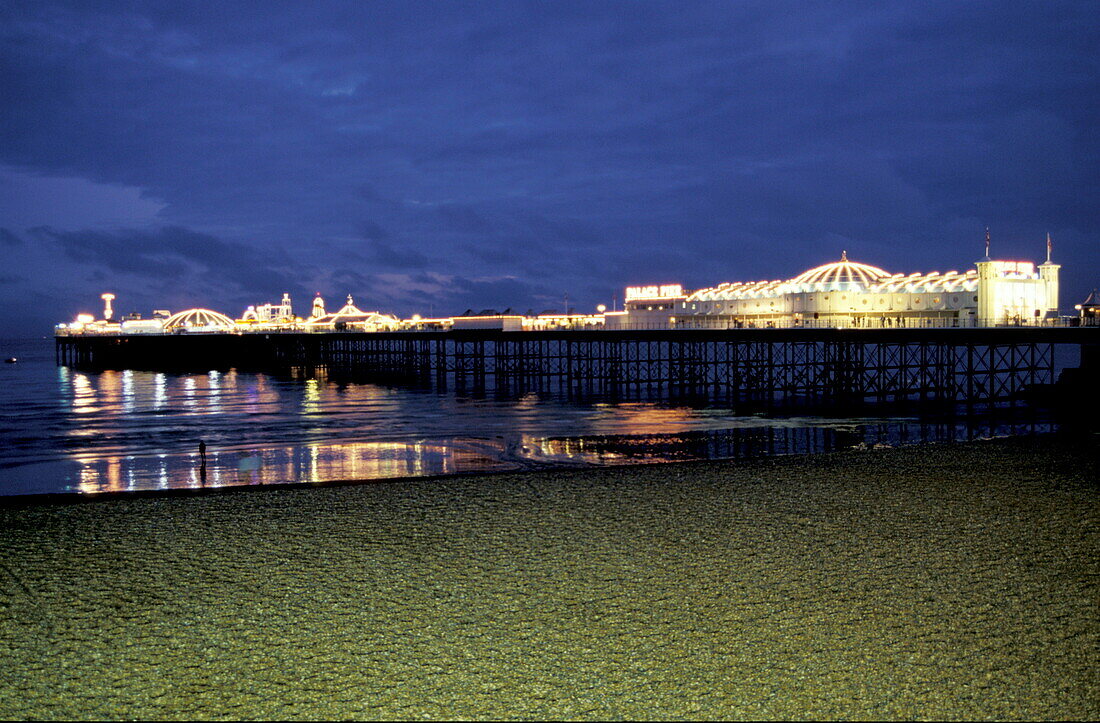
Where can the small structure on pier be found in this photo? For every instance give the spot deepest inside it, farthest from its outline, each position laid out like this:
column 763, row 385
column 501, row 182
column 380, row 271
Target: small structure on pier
column 281, row 313
column 351, row 318
column 198, row 321
column 1089, row 310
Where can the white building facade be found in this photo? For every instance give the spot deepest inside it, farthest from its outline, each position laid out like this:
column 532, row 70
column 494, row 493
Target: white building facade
column 850, row 294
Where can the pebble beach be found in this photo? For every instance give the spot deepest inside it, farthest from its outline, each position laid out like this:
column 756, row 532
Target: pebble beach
column 942, row 581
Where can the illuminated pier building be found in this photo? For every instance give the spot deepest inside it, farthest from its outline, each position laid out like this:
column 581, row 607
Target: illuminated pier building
column 349, row 318
column 271, row 313
column 840, row 294
column 845, row 293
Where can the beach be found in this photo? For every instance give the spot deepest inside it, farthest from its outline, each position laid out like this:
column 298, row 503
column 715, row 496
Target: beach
column 939, row 581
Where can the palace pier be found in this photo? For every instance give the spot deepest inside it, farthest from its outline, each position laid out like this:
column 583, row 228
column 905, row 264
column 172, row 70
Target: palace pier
column 840, row 335
column 754, row 368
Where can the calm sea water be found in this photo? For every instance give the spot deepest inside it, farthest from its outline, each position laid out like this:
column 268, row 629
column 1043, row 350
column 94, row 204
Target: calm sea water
column 65, row 430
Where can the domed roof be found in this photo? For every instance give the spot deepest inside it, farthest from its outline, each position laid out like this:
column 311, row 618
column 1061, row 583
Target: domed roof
column 842, row 272
column 198, row 317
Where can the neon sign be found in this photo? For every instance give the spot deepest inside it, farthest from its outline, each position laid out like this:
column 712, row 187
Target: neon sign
column 1015, row 269
column 668, row 291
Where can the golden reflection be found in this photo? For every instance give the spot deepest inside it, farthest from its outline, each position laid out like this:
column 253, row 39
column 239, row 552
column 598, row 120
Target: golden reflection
column 418, row 459
column 110, row 386
column 84, row 396
column 114, row 473
column 311, row 397
column 644, row 419
column 566, row 449
column 313, row 463
column 88, row 478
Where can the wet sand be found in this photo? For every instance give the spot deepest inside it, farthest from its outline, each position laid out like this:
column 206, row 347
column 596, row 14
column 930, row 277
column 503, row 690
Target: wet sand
column 950, row 581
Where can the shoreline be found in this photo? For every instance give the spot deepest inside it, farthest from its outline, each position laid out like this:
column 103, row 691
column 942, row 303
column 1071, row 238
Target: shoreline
column 522, row 467
column 946, row 581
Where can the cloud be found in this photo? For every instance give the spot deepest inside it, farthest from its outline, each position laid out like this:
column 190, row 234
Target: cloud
column 539, row 147
column 387, row 256
column 175, row 254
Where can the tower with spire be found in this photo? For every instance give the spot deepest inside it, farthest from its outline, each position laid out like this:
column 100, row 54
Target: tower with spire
column 987, row 287
column 1048, row 272
column 1016, row 292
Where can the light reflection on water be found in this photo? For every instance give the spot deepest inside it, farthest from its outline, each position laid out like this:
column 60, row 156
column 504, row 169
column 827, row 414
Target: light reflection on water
column 292, row 464
column 318, row 463
column 70, row 430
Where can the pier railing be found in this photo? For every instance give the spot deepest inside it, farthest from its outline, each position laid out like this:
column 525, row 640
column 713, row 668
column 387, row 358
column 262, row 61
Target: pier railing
column 677, row 324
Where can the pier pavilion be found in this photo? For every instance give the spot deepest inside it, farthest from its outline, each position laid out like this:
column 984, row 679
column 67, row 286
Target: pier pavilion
column 846, row 293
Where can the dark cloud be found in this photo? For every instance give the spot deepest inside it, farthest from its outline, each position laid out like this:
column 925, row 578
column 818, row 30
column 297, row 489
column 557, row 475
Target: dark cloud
column 384, row 255
column 407, row 151
column 7, row 238
column 176, row 255
column 372, row 231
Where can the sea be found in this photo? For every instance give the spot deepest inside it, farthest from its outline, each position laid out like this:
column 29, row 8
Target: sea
column 68, row 431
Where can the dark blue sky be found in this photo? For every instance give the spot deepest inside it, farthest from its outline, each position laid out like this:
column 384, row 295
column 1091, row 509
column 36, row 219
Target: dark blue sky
column 439, row 156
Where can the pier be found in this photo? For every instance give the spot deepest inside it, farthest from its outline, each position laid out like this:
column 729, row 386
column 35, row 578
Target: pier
column 757, row 368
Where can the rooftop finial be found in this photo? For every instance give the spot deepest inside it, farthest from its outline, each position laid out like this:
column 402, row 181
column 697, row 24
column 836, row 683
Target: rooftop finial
column 843, row 255
column 1048, row 247
column 987, row 243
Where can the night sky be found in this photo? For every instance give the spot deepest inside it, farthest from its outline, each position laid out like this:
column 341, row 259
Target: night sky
column 430, row 157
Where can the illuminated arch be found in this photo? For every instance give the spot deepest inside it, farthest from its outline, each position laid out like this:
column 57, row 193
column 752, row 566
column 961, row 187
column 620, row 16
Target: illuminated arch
column 200, row 318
